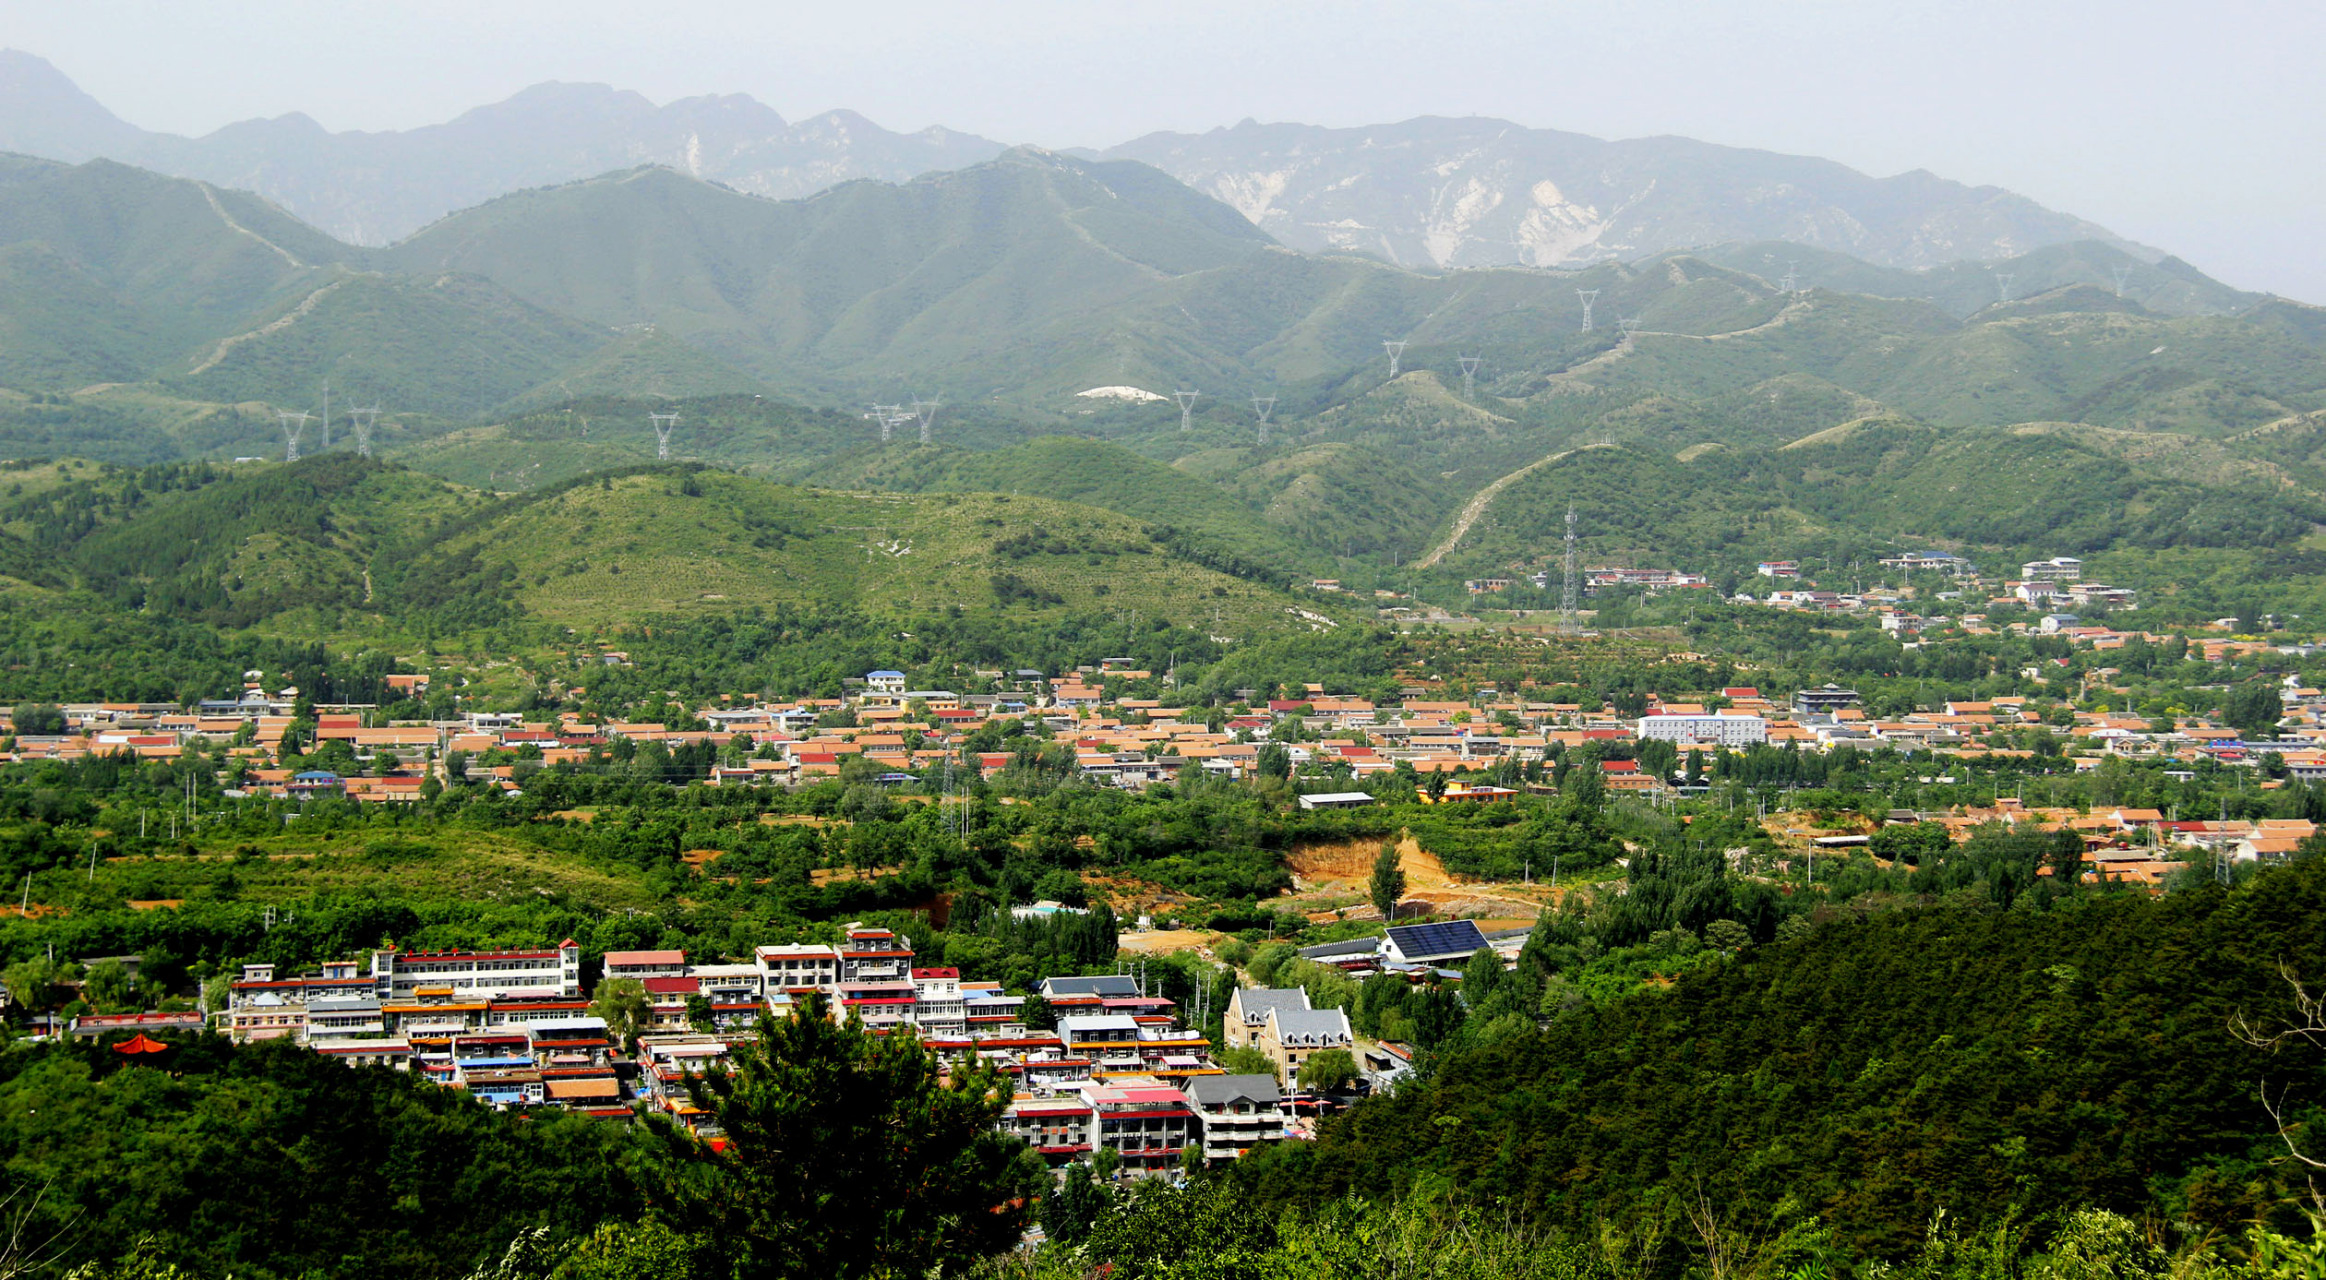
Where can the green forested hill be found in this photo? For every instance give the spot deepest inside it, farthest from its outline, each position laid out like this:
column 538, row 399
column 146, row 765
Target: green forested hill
column 934, row 276
column 1877, row 486
column 1876, row 1073
column 519, row 345
column 337, row 542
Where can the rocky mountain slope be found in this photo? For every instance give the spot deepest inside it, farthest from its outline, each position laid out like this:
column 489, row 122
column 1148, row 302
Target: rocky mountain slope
column 1430, row 192
column 1473, row 192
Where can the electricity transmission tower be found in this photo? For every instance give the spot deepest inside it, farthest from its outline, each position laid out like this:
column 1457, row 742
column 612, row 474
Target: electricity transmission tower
column 664, row 424
column 926, row 411
column 2122, row 274
column 293, row 423
column 1629, row 325
column 1588, row 296
column 890, row 417
column 1567, row 591
column 1469, row 376
column 326, row 417
column 1186, row 401
column 2003, row 281
column 1262, row 406
column 363, row 420
column 1396, row 352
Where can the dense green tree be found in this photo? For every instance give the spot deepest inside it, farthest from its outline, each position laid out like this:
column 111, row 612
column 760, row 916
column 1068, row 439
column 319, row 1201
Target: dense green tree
column 851, row 1155
column 1329, row 1071
column 1074, row 1206
column 37, row 718
column 1386, row 888
column 2254, row 709
column 623, row 1004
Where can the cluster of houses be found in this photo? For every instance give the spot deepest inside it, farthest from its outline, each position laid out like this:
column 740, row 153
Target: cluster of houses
column 2044, row 585
column 2126, row 845
column 1118, row 1069
column 895, row 733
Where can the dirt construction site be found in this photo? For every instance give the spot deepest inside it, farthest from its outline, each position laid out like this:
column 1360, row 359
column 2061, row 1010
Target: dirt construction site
column 1332, row 881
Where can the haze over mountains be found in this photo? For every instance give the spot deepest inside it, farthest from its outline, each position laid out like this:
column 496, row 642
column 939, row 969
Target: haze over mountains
column 1431, row 193
column 373, row 188
column 1746, row 397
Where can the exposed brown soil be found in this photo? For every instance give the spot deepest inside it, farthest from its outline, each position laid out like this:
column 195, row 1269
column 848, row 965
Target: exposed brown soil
column 1165, row 941
column 1329, row 873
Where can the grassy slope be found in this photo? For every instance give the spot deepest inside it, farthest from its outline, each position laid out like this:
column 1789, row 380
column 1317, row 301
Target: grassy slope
column 1098, row 474
column 625, row 547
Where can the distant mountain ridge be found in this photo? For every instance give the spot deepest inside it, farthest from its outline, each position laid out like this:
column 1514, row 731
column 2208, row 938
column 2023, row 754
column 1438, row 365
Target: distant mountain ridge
column 376, row 188
column 1436, row 192
column 1428, row 193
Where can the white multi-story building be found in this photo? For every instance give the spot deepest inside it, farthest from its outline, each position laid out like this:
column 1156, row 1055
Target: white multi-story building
column 480, row 975
column 1717, row 729
column 938, row 1007
column 797, row 967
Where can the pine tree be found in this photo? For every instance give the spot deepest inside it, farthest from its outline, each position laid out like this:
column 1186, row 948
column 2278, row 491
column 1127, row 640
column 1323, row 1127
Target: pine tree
column 1388, row 881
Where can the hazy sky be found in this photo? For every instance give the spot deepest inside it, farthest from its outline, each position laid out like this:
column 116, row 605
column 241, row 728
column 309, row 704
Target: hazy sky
column 2199, row 128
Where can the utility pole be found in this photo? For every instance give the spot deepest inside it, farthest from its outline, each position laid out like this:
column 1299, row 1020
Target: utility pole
column 1567, row 591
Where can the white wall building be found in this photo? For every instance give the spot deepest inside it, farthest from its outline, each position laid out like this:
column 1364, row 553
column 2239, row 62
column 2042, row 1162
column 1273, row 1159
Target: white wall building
column 1718, row 729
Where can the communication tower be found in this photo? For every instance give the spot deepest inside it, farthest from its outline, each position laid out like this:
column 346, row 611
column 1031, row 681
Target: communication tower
column 1469, row 376
column 1567, row 590
column 1186, row 401
column 1396, row 352
column 664, row 424
column 293, row 424
column 1588, row 296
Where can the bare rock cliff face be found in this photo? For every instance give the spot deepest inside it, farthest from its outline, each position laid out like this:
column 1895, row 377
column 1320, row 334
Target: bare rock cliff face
column 1477, row 192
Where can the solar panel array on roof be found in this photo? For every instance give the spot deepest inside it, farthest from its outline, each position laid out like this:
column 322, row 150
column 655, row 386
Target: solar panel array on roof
column 1452, row 938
